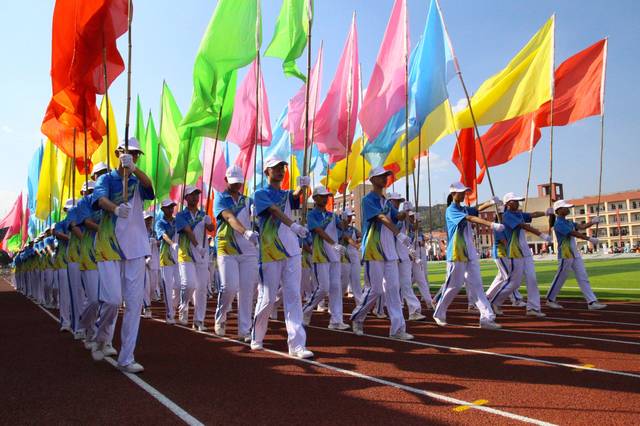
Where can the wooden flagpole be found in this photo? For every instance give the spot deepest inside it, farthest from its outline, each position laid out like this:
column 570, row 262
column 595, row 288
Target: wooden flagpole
column 305, row 161
column 125, row 179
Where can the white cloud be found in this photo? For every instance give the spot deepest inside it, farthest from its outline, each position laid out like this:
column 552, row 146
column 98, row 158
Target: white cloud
column 461, row 104
column 436, row 163
column 6, row 129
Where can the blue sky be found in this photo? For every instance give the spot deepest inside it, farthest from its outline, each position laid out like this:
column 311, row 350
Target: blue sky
column 485, row 35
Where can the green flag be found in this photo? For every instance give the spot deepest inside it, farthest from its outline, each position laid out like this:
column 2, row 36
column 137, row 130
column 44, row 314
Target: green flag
column 230, row 42
column 139, row 134
column 156, row 163
column 194, row 166
column 170, row 118
column 290, row 36
column 14, row 244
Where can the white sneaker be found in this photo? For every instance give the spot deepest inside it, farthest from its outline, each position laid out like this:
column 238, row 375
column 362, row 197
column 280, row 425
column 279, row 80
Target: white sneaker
column 133, row 368
column 96, row 352
column 339, row 326
column 79, row 335
column 171, row 321
column 497, row 310
column 65, row 328
column 220, row 329
column 255, row 346
column 109, row 350
column 490, row 325
column 321, row 308
column 301, row 353
column 441, row 323
column 381, row 316
column 519, row 303
column 306, row 318
column 402, row 335
column 199, row 325
column 358, row 328
column 147, row 313
column 594, row 306
column 554, row 305
column 416, row 316
column 535, row 313
column 183, row 321
column 246, row 338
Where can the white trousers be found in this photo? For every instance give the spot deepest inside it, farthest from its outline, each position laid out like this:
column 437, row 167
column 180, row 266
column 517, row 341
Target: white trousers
column 519, row 267
column 351, row 279
column 382, row 277
column 193, row 288
column 151, row 279
column 47, row 286
column 89, row 316
column 238, row 276
column 419, row 276
column 78, row 298
column 406, row 287
column 564, row 267
column 457, row 274
column 170, row 281
column 501, row 279
column 285, row 273
column 307, row 284
column 328, row 283
column 64, row 294
column 121, row 281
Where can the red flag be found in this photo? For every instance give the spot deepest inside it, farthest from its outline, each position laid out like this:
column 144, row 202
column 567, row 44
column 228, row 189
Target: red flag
column 11, row 223
column 577, row 94
column 464, row 157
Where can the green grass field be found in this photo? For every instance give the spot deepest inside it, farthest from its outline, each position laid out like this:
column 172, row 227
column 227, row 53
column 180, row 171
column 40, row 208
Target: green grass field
column 611, row 279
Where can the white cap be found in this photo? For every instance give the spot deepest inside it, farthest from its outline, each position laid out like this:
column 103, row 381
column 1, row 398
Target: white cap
column 190, row 189
column 394, row 196
column 147, row 215
column 510, row 196
column 98, row 168
column 458, row 187
column 134, row 145
column 379, row 171
column 167, row 202
column 272, row 162
column 561, row 203
column 321, row 190
column 234, row 174
column 348, row 211
column 88, row 185
column 68, row 204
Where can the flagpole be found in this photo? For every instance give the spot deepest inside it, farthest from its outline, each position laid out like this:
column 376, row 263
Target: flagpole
column 125, row 186
column 305, row 160
column 186, row 167
column 213, row 163
column 73, row 169
column 406, row 104
column 361, row 129
column 531, row 133
column 552, row 218
column 430, row 205
column 604, row 74
column 106, row 97
column 258, row 129
column 86, row 159
column 155, row 180
column 347, row 145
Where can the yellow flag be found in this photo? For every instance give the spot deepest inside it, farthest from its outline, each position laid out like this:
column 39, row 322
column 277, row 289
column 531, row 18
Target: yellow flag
column 356, row 173
column 437, row 125
column 100, row 154
column 521, row 87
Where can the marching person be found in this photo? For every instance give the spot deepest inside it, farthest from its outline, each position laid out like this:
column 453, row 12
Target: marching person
column 193, row 258
column 78, row 297
column 61, row 233
column 569, row 257
column 325, row 227
column 406, row 256
column 121, row 246
column 516, row 223
column 165, row 229
column 351, row 238
column 463, row 265
column 152, row 273
column 380, row 257
column 280, row 258
column 237, row 254
column 419, row 264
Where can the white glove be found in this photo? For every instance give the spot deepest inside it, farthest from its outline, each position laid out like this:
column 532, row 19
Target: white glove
column 403, row 239
column 252, row 210
column 299, row 230
column 594, row 241
column 207, row 219
column 496, row 200
column 126, row 161
column 596, row 219
column 549, row 211
column 412, row 252
column 339, row 248
column 122, row 210
column 174, row 247
column 498, row 227
column 147, row 262
column 304, row 181
column 407, row 206
column 546, row 237
column 251, row 236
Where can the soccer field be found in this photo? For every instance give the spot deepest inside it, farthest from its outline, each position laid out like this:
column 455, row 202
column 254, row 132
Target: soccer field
column 611, row 279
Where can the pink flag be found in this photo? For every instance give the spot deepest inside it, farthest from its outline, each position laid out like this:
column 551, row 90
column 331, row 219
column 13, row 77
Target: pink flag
column 244, row 160
column 335, row 122
column 220, row 166
column 386, row 91
column 10, row 224
column 242, row 131
column 295, row 122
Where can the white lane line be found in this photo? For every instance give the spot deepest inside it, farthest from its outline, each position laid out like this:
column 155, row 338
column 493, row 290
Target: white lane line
column 633, row 324
column 432, row 395
column 481, row 352
column 155, row 393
